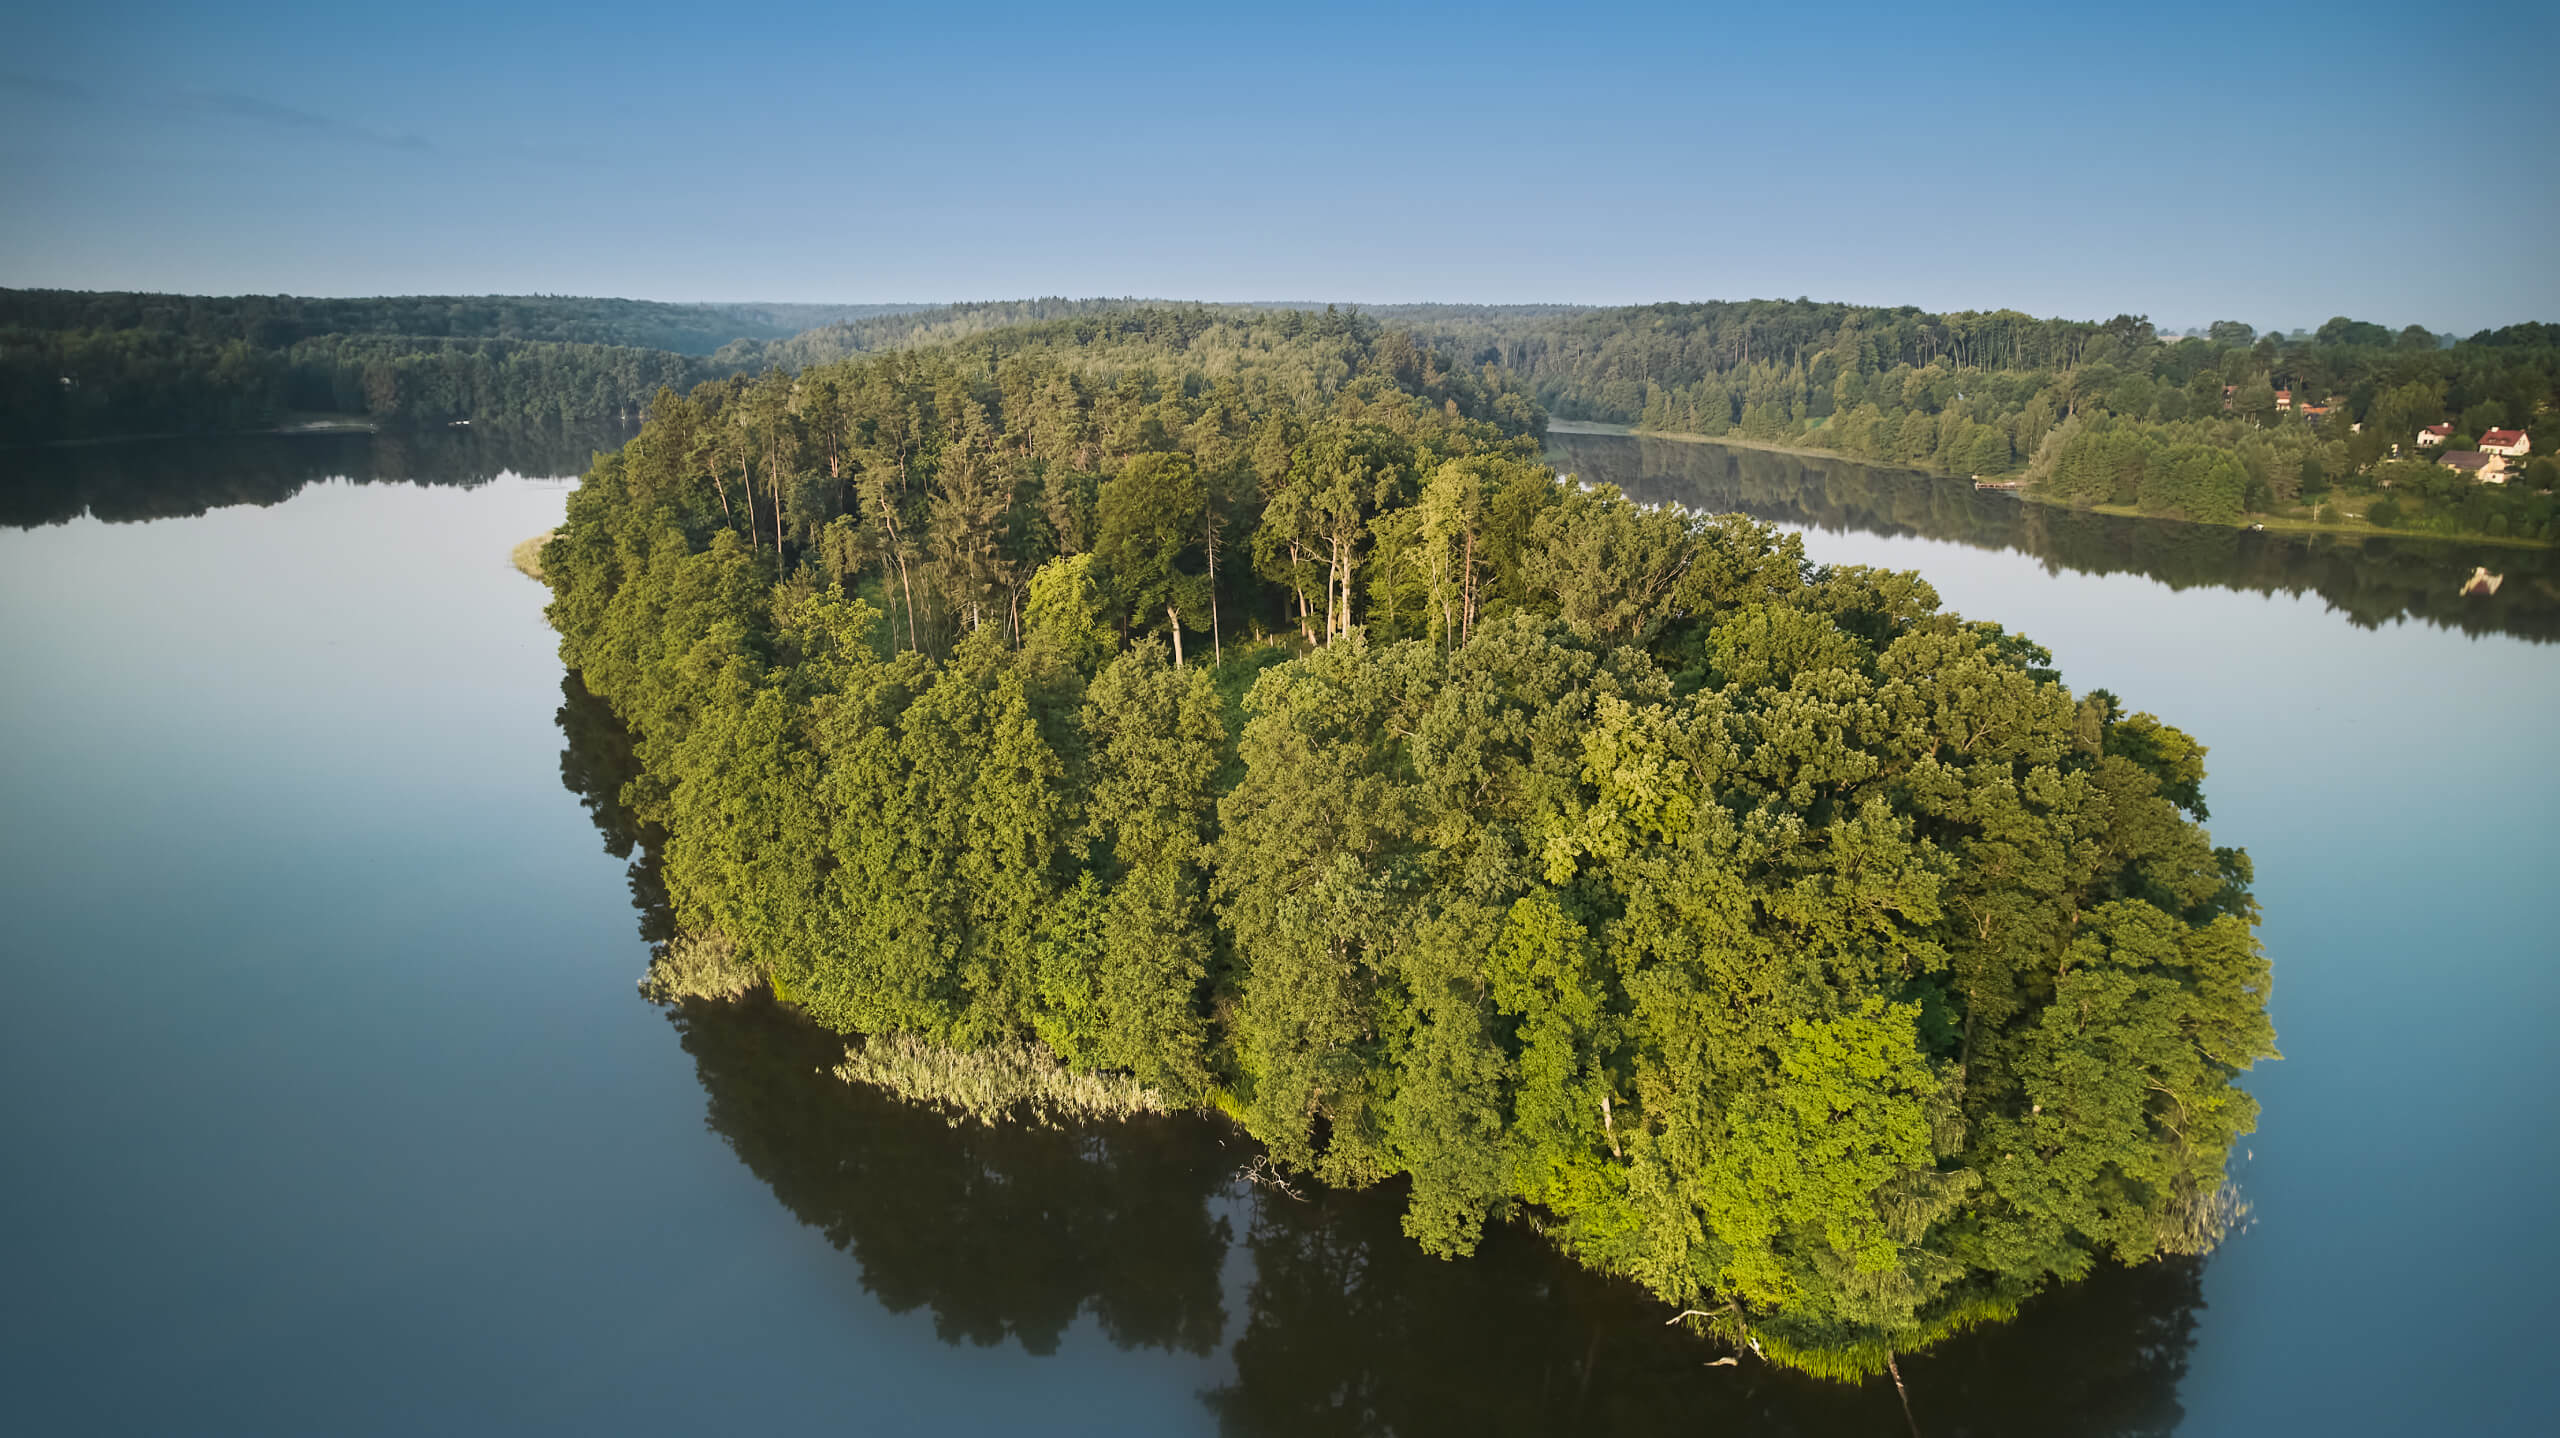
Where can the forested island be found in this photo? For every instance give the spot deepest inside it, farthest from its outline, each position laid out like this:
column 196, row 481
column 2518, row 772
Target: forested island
column 1174, row 708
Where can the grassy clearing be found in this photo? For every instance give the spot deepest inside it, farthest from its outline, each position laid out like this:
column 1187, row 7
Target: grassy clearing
column 701, row 966
column 528, row 555
column 1024, row 1080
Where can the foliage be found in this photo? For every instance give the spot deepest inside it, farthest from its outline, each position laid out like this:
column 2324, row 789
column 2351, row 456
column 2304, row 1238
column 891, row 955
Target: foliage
column 1769, row 935
column 80, row 365
column 1006, row 1080
column 697, row 966
column 280, row 321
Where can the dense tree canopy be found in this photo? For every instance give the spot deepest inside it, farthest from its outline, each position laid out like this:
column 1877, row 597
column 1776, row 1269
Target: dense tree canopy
column 1764, row 932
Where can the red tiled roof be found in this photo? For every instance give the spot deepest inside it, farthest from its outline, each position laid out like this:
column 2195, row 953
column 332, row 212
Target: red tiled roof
column 2444, row 429
column 2501, row 436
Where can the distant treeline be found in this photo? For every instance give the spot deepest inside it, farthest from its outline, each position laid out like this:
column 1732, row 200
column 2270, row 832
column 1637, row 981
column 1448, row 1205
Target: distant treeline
column 89, row 384
column 2098, row 411
column 2212, row 428
column 276, row 321
column 934, row 324
column 940, row 324
column 77, row 365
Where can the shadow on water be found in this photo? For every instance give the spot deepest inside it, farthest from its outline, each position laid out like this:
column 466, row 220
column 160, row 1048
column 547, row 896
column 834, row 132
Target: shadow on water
column 1001, row 1232
column 1014, row 1233
column 2371, row 581
column 597, row 764
column 142, row 479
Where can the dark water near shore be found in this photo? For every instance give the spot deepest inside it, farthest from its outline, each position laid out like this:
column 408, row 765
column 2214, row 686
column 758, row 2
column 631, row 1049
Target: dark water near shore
column 330, row 1107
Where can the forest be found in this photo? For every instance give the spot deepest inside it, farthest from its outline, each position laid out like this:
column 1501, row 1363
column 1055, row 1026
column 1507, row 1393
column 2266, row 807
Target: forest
column 278, row 321
column 1231, row 703
column 2213, row 427
column 79, row 365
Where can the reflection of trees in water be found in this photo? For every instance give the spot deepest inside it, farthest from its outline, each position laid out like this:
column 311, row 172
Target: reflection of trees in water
column 594, row 765
column 2371, row 581
column 1003, row 1232
column 1351, row 1329
column 1013, row 1233
column 175, row 478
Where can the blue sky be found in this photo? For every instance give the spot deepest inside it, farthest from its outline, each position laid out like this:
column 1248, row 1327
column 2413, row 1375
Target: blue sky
column 2266, row 163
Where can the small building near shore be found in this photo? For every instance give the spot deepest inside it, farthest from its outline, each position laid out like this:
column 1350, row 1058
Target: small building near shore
column 2486, row 468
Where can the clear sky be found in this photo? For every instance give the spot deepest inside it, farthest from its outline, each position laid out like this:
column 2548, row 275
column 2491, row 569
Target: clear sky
column 2270, row 163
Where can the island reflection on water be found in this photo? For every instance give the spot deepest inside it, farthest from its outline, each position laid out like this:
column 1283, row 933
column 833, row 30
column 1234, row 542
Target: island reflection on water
column 1016, row 1233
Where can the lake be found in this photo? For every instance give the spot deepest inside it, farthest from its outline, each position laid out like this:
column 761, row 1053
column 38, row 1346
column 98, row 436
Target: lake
column 332, row 1109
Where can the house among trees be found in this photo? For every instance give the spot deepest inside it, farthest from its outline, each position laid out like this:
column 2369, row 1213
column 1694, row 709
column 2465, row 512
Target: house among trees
column 2284, row 399
column 2484, row 467
column 2433, row 435
column 2506, row 443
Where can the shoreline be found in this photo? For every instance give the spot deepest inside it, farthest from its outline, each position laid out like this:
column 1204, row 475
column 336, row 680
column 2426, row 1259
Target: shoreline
column 527, row 555
column 2268, row 523
column 353, row 426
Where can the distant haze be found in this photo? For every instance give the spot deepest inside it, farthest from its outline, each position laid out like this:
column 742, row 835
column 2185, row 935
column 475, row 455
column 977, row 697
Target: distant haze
column 2190, row 162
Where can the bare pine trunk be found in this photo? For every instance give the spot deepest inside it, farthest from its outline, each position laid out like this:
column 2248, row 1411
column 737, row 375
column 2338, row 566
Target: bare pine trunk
column 907, row 583
column 1306, row 624
column 772, row 467
column 1174, row 617
column 1217, row 644
column 1468, row 629
column 898, row 552
column 1337, row 596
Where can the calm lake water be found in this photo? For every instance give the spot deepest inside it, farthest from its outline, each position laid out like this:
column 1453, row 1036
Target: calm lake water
column 331, row 1109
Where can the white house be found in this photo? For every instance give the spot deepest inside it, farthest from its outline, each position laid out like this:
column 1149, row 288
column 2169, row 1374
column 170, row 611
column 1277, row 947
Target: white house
column 2433, row 435
column 2513, row 443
